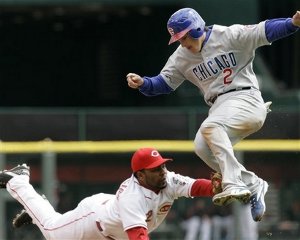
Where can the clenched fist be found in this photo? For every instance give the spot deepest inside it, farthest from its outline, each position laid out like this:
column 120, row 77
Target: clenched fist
column 296, row 19
column 134, row 81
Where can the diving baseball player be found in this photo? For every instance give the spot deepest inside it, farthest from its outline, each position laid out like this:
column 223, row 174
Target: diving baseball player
column 139, row 206
column 218, row 61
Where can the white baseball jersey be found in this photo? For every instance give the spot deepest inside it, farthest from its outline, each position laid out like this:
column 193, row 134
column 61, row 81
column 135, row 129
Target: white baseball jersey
column 137, row 206
column 102, row 216
column 224, row 63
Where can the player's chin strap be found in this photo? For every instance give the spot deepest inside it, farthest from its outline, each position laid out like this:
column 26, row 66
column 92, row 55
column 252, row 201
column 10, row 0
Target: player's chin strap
column 268, row 104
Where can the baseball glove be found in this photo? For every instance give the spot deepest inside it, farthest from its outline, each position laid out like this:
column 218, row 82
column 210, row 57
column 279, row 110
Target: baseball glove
column 21, row 219
column 216, row 181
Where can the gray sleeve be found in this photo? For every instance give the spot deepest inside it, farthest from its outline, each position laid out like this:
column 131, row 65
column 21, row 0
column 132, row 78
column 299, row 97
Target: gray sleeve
column 170, row 73
column 248, row 37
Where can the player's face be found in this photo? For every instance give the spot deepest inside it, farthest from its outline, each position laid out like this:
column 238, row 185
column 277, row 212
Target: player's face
column 155, row 178
column 192, row 44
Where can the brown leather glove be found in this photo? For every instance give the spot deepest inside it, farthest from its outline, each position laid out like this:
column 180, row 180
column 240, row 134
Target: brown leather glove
column 216, row 181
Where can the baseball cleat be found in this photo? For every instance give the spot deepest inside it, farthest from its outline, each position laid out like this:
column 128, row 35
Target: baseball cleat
column 257, row 202
column 21, row 219
column 228, row 196
column 6, row 175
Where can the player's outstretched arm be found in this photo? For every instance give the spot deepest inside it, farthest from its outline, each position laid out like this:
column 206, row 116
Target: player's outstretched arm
column 206, row 187
column 134, row 80
column 296, row 19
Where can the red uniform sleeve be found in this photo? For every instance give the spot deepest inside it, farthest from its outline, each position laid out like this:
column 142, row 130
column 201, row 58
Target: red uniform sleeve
column 202, row 188
column 137, row 233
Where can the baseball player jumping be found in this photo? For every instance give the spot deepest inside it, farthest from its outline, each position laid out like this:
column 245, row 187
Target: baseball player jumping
column 218, row 60
column 140, row 205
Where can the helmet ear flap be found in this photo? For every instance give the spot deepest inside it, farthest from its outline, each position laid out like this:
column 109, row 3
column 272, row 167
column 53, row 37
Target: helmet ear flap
column 196, row 33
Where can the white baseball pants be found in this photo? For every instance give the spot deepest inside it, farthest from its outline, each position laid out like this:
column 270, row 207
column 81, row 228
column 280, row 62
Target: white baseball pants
column 79, row 223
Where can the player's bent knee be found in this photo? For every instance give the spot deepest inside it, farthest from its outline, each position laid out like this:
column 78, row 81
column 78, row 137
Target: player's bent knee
column 200, row 146
column 208, row 129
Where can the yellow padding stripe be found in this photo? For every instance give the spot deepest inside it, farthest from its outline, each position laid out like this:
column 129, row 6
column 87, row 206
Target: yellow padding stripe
column 132, row 145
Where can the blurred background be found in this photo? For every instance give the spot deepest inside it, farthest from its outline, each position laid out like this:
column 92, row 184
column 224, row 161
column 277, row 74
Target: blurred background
column 63, row 66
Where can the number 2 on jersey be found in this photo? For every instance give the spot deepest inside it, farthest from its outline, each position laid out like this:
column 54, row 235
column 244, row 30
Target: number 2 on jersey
column 227, row 73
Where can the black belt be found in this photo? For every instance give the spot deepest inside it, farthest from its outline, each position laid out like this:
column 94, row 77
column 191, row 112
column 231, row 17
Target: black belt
column 231, row 90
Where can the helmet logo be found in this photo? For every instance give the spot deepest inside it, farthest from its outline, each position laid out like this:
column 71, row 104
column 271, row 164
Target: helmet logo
column 154, row 153
column 171, row 31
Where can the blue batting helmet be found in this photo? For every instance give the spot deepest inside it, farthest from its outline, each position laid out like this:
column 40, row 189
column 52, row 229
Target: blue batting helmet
column 185, row 20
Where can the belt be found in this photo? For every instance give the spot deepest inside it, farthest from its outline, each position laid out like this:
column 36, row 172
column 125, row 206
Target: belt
column 231, row 90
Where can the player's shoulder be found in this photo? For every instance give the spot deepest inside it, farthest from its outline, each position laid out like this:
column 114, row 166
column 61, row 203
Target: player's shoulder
column 130, row 189
column 128, row 185
column 179, row 53
column 232, row 31
column 217, row 33
column 238, row 27
column 178, row 50
column 221, row 28
column 177, row 179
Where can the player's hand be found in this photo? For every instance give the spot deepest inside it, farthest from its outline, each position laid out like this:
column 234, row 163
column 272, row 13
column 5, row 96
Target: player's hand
column 134, row 81
column 296, row 19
